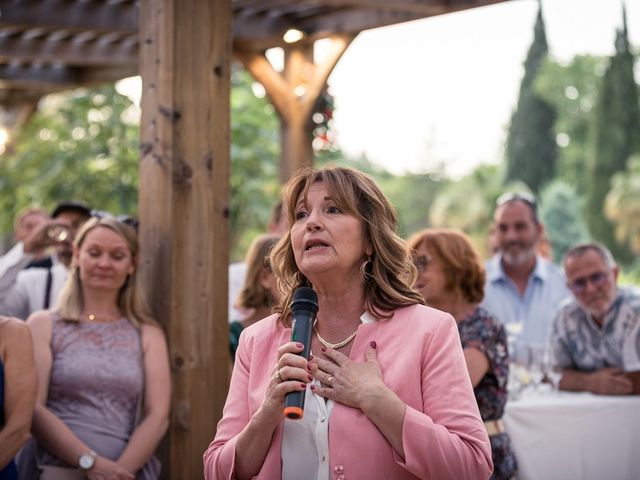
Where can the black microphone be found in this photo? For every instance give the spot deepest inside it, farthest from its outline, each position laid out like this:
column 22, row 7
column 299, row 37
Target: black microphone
column 303, row 310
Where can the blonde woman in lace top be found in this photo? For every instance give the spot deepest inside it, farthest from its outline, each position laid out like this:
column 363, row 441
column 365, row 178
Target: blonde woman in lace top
column 104, row 381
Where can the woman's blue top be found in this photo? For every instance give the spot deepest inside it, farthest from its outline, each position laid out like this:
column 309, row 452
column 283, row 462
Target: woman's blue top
column 9, row 472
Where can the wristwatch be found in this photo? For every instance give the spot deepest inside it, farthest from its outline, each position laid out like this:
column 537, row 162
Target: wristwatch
column 87, row 460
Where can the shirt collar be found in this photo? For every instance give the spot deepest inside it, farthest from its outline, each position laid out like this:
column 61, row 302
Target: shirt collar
column 366, row 317
column 496, row 273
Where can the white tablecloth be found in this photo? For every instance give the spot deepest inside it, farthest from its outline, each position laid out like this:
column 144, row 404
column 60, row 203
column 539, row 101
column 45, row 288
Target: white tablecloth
column 566, row 436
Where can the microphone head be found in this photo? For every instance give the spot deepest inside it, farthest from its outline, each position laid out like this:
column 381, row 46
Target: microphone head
column 304, row 299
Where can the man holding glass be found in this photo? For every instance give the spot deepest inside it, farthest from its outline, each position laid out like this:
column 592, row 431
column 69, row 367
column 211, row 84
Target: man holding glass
column 596, row 337
column 24, row 291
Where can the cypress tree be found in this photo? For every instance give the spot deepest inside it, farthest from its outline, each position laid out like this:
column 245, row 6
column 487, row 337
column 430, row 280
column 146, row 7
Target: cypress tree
column 531, row 145
column 616, row 137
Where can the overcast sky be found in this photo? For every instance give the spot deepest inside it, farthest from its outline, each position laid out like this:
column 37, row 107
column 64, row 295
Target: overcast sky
column 442, row 89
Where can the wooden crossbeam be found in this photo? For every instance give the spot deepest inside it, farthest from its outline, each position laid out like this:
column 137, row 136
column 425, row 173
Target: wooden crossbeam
column 268, row 32
column 352, row 21
column 74, row 16
column 71, row 52
column 424, row 8
column 52, row 77
column 38, row 76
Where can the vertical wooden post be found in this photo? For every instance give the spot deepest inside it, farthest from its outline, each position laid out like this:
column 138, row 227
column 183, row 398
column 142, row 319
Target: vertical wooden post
column 185, row 50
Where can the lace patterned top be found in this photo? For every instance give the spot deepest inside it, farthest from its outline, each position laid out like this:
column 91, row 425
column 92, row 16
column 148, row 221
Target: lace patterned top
column 96, row 384
column 96, row 375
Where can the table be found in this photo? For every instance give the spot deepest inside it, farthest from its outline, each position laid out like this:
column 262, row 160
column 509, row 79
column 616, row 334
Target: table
column 565, row 436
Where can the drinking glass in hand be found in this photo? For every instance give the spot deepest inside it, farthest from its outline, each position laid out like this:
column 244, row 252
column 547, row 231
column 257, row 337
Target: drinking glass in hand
column 58, row 233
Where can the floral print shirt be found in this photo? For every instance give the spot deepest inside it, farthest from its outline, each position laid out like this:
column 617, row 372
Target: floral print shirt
column 482, row 331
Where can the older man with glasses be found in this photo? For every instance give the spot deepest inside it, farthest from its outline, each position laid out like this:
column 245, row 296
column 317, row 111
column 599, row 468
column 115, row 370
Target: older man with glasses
column 596, row 337
column 523, row 290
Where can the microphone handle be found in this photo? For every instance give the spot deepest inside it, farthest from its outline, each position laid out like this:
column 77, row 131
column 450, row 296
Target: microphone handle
column 300, row 332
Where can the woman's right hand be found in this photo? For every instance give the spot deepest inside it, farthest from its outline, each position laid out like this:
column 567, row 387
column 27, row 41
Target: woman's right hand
column 106, row 469
column 291, row 373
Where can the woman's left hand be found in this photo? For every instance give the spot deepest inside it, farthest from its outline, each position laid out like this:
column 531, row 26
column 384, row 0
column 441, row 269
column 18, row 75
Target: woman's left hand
column 346, row 381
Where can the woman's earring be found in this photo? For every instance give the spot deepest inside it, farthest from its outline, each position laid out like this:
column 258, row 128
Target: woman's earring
column 365, row 269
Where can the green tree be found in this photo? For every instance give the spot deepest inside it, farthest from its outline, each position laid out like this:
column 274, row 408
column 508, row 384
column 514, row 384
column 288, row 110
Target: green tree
column 531, row 144
column 560, row 209
column 81, row 145
column 255, row 150
column 411, row 195
column 468, row 204
column 84, row 145
column 616, row 137
column 572, row 89
column 622, row 205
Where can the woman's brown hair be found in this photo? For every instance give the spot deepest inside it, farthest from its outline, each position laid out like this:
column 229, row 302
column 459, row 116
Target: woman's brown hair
column 387, row 275
column 253, row 293
column 460, row 260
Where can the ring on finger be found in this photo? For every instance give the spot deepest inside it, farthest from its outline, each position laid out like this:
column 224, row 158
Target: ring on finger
column 328, row 379
column 279, row 376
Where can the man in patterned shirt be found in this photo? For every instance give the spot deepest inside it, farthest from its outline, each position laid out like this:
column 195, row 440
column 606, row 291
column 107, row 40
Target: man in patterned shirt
column 596, row 336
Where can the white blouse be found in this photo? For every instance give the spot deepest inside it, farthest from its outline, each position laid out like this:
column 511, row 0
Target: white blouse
column 305, row 443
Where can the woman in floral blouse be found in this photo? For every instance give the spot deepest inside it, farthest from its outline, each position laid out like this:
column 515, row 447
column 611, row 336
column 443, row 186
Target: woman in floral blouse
column 451, row 278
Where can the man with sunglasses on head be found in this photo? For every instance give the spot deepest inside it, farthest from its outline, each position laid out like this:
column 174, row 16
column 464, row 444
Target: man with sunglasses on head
column 523, row 290
column 596, row 337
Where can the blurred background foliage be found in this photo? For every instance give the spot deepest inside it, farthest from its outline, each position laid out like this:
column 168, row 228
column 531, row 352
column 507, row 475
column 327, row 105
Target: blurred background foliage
column 84, row 145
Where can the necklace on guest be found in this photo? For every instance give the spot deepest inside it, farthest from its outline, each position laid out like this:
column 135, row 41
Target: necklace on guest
column 92, row 318
column 334, row 346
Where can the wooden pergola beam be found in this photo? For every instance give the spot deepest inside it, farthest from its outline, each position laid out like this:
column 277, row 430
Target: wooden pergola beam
column 184, row 207
column 53, row 77
column 273, row 82
column 294, row 93
column 32, row 76
column 73, row 16
column 321, row 73
column 422, row 7
column 71, row 52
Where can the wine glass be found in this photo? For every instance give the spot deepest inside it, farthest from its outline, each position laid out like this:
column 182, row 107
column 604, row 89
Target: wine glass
column 551, row 369
column 513, row 333
column 535, row 364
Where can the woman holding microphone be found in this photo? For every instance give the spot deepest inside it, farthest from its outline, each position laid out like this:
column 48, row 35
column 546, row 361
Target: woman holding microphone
column 387, row 390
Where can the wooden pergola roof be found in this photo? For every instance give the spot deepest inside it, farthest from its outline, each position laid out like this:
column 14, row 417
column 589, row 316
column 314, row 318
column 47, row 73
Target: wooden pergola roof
column 53, row 45
column 183, row 51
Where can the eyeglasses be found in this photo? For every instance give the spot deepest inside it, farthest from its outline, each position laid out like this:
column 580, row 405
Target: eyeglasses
column 579, row 285
column 422, row 263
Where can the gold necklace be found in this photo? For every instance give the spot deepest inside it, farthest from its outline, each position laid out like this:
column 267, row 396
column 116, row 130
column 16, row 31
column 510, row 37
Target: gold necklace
column 92, row 318
column 334, row 346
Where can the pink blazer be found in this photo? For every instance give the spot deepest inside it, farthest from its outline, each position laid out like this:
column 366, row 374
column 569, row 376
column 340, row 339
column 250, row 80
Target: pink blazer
column 421, row 357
